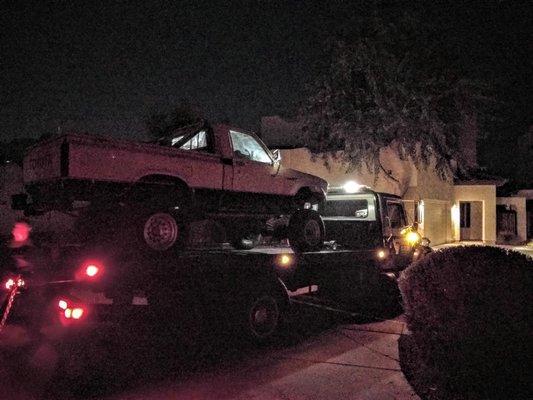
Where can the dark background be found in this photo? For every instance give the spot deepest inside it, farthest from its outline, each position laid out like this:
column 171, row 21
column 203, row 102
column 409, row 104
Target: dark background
column 102, row 66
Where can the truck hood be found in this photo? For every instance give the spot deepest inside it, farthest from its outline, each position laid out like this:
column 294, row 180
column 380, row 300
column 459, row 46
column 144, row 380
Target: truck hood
column 314, row 182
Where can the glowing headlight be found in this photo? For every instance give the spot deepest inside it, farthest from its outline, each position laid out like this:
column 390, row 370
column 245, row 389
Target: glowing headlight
column 413, row 238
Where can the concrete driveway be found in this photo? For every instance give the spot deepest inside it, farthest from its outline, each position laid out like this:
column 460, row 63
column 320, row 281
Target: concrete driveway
column 324, row 359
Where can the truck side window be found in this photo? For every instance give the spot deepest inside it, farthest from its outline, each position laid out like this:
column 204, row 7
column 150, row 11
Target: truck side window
column 396, row 215
column 245, row 146
column 197, row 142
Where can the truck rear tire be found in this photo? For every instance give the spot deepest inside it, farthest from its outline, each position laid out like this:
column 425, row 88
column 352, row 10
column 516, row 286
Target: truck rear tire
column 157, row 215
column 306, row 231
column 160, row 231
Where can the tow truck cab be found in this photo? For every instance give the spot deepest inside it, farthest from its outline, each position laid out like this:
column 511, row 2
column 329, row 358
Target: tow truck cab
column 358, row 218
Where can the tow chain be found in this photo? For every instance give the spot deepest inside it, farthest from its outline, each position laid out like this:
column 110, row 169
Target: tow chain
column 7, row 310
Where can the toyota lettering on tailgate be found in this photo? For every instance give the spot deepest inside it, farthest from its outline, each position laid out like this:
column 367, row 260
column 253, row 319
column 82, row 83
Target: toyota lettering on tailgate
column 42, row 166
column 43, row 162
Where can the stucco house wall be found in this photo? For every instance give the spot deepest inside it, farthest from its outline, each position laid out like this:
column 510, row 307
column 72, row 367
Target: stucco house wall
column 420, row 186
column 517, row 204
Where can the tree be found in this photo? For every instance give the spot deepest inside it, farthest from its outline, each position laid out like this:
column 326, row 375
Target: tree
column 161, row 124
column 390, row 84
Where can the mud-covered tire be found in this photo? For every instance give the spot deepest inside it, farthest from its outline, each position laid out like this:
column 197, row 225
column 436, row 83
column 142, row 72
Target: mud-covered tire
column 306, row 231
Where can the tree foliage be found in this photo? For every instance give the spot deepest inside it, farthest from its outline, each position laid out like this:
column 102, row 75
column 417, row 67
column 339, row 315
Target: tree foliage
column 390, row 84
column 160, row 124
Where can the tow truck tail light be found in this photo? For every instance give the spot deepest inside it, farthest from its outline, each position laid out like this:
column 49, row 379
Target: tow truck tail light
column 21, row 232
column 92, row 270
column 11, row 282
column 71, row 311
column 77, row 313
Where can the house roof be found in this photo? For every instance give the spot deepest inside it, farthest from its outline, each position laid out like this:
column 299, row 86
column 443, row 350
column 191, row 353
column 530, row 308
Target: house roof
column 479, row 176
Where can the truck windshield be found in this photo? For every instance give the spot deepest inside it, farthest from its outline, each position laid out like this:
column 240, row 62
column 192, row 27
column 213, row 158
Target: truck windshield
column 350, row 207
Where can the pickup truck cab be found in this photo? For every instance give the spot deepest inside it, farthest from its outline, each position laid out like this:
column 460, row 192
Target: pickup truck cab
column 199, row 172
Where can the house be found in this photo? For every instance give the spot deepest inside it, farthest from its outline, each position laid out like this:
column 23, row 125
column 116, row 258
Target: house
column 447, row 210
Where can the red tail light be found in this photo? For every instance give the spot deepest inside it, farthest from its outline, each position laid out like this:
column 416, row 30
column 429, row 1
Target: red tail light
column 70, row 310
column 77, row 313
column 21, row 232
column 11, row 282
column 74, row 313
column 92, row 270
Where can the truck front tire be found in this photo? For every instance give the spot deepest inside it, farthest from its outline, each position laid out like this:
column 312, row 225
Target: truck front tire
column 306, row 231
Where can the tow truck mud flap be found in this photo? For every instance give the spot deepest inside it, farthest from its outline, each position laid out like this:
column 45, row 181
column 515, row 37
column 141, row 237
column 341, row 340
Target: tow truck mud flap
column 305, row 290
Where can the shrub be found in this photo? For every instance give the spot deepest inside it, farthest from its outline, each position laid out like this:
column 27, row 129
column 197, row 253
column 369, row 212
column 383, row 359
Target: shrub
column 469, row 310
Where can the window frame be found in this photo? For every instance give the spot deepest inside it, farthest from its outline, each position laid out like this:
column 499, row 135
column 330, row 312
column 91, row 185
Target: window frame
column 258, row 141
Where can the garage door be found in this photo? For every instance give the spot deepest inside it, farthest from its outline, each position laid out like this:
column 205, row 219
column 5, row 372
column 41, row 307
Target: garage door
column 436, row 221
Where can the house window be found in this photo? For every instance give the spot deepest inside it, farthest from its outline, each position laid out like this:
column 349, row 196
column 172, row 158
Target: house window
column 465, row 215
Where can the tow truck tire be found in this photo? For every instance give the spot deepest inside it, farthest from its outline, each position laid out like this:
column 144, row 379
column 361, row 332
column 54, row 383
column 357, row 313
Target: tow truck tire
column 262, row 317
column 306, row 231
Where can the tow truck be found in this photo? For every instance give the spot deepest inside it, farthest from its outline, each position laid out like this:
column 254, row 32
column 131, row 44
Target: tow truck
column 248, row 293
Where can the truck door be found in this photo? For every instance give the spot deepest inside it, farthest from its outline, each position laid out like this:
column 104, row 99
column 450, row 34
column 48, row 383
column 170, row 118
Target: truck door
column 253, row 168
column 395, row 221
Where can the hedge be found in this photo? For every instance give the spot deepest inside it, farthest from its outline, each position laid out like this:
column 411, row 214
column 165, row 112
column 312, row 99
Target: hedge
column 469, row 310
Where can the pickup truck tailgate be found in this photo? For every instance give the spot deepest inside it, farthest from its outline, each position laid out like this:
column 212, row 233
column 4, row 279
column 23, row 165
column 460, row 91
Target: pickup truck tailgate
column 44, row 162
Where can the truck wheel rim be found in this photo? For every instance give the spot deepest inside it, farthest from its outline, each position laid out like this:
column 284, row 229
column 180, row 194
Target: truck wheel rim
column 312, row 232
column 160, row 231
column 263, row 317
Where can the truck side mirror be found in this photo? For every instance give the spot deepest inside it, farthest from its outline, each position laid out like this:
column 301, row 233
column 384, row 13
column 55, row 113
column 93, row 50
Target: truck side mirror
column 277, row 155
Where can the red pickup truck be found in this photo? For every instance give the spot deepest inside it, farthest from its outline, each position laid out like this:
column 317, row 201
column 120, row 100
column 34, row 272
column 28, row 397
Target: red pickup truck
column 151, row 190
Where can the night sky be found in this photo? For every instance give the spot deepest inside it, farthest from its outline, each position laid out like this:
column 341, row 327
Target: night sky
column 101, row 66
